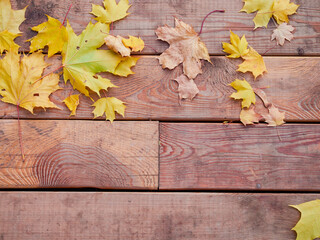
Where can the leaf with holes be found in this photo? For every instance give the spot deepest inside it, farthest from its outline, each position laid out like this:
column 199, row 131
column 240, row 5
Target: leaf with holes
column 22, row 84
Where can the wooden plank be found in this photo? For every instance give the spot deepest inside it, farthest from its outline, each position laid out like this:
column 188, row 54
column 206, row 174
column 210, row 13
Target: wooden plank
column 233, row 157
column 158, row 216
column 294, row 87
column 146, row 16
column 69, row 154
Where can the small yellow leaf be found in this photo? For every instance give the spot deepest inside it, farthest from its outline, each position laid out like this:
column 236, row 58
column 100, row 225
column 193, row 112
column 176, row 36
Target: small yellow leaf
column 249, row 116
column 7, row 41
column 72, row 103
column 308, row 227
column 108, row 106
column 124, row 67
column 21, row 81
column 116, row 45
column 237, row 48
column 245, row 92
column 253, row 63
column 283, row 8
column 136, row 44
column 111, row 12
column 51, row 34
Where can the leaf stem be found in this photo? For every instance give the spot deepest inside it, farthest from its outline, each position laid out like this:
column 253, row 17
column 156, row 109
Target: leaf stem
column 20, row 133
column 65, row 18
column 269, row 50
column 222, row 11
column 48, row 74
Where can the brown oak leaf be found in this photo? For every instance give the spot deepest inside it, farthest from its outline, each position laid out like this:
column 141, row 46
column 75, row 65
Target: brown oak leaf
column 187, row 88
column 283, row 32
column 185, row 47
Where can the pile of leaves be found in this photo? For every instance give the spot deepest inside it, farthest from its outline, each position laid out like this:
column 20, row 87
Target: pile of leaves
column 82, row 60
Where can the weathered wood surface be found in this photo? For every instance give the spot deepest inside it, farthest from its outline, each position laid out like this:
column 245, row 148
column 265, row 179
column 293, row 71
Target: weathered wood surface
column 233, row 157
column 146, row 16
column 68, row 154
column 294, row 87
column 157, row 216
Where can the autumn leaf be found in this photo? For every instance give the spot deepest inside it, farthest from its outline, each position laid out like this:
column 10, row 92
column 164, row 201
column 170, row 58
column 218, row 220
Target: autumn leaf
column 185, row 47
column 82, row 61
column 282, row 33
column 136, row 44
column 245, row 92
column 108, row 106
column 264, row 8
column 22, row 84
column 275, row 117
column 9, row 28
column 52, row 34
column 111, row 12
column 237, row 48
column 187, row 88
column 249, row 116
column 72, row 103
column 253, row 62
column 283, row 8
column 116, row 44
column 308, row 227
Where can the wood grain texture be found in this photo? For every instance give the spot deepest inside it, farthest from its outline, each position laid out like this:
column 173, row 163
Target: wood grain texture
column 147, row 15
column 157, row 216
column 67, row 154
column 294, row 87
column 234, row 157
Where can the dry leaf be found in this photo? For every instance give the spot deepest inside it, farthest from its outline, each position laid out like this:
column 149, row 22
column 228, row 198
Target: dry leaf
column 249, row 116
column 308, row 227
column 108, row 106
column 136, row 44
column 245, row 92
column 237, row 48
column 185, row 47
column 263, row 96
column 111, row 12
column 21, row 81
column 72, row 103
column 187, row 88
column 82, row 61
column 282, row 33
column 9, row 28
column 283, row 8
column 51, row 34
column 275, row 117
column 253, row 62
column 116, row 44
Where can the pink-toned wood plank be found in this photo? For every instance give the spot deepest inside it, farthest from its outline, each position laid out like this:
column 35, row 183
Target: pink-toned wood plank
column 234, row 157
column 151, row 93
column 147, row 15
column 157, row 216
column 68, row 154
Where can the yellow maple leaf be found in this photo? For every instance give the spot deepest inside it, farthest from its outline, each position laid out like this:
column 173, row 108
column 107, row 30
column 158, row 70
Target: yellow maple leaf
column 237, row 48
column 108, row 106
column 264, row 8
column 185, row 47
column 22, row 84
column 253, row 62
column 72, row 103
column 10, row 21
column 249, row 116
column 82, row 60
column 111, row 12
column 51, row 34
column 244, row 92
column 283, row 8
column 308, row 227
column 136, row 44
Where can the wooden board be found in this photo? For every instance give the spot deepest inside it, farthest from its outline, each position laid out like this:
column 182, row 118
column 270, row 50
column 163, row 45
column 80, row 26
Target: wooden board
column 70, row 154
column 233, row 157
column 157, row 216
column 146, row 16
column 151, row 93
